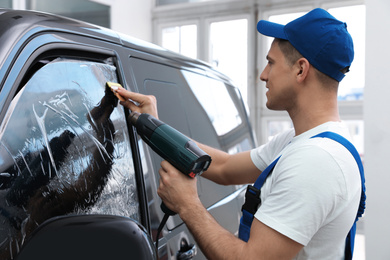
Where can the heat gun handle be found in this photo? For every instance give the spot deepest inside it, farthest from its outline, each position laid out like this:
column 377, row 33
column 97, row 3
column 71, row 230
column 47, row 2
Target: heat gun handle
column 166, row 210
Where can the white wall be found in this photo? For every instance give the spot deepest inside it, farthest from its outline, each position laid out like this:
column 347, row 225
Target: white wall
column 377, row 130
column 132, row 17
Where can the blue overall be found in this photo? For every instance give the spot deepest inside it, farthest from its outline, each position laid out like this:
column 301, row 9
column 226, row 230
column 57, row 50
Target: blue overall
column 253, row 201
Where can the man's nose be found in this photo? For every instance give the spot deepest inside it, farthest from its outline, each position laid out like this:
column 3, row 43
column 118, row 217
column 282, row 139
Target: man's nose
column 264, row 74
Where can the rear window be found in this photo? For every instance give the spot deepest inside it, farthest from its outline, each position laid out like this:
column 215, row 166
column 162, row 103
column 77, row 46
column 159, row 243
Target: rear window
column 216, row 100
column 64, row 149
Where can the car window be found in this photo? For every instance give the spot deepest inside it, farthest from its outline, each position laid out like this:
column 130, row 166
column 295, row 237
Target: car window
column 64, row 149
column 220, row 106
column 202, row 107
column 216, row 101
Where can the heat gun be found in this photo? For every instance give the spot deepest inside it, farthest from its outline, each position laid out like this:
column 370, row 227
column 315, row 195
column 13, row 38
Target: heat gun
column 172, row 146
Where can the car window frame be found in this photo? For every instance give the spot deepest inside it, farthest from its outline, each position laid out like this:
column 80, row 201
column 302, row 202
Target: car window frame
column 25, row 59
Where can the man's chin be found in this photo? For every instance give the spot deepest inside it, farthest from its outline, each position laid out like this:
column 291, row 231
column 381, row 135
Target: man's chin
column 270, row 106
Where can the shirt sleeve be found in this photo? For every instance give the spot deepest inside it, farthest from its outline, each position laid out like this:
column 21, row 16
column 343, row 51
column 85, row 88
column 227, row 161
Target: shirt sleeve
column 265, row 154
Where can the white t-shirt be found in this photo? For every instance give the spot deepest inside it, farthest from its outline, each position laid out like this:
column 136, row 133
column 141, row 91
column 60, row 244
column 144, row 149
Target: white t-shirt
column 313, row 193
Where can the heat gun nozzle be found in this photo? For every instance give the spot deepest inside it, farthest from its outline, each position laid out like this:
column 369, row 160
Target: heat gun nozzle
column 134, row 117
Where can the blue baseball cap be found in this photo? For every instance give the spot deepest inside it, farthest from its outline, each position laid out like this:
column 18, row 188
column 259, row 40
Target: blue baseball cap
column 322, row 39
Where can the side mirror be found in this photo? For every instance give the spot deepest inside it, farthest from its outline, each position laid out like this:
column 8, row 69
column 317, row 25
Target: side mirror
column 89, row 237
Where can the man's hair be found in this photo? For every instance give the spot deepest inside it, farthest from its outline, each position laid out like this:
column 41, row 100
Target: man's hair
column 292, row 55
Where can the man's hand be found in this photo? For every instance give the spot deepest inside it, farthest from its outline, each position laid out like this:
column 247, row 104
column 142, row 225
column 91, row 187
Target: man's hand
column 146, row 103
column 177, row 190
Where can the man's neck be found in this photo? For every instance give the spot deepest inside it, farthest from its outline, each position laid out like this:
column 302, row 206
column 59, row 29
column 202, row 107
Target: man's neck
column 307, row 119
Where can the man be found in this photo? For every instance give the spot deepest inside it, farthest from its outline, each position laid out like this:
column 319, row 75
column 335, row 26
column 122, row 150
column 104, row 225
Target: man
column 310, row 200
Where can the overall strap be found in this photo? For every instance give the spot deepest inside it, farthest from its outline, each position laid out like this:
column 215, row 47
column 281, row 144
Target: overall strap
column 263, row 176
column 252, row 202
column 350, row 241
column 252, row 195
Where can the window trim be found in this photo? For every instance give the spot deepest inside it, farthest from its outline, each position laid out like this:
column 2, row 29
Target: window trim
column 12, row 79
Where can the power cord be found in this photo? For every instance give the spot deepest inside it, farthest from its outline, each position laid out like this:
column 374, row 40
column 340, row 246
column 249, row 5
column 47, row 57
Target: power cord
column 160, row 227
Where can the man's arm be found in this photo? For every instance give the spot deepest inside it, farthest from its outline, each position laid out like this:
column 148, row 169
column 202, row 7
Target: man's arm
column 179, row 193
column 230, row 169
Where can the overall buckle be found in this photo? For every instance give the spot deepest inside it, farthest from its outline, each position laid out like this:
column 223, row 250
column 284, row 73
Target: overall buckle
column 252, row 199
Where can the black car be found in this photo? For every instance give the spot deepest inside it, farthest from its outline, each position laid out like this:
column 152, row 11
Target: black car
column 76, row 182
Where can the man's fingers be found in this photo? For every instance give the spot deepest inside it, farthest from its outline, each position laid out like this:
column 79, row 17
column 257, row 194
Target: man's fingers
column 137, row 97
column 130, row 105
column 139, row 102
column 167, row 167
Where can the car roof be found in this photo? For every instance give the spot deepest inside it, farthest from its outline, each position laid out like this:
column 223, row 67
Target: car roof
column 19, row 24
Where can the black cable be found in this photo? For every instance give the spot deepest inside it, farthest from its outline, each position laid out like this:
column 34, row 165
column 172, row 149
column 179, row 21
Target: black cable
column 160, row 227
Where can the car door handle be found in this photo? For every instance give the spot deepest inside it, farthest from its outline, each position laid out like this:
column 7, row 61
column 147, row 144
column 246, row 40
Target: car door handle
column 187, row 252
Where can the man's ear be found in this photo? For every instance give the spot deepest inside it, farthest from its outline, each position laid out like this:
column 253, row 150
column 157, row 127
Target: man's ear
column 302, row 69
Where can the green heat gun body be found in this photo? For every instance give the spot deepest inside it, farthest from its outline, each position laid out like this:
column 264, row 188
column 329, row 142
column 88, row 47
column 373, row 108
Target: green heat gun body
column 172, row 146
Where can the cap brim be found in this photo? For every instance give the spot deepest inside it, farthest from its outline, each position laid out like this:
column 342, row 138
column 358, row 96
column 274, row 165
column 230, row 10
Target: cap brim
column 271, row 29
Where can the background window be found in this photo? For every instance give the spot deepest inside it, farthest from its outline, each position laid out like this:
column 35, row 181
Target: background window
column 229, row 50
column 6, row 3
column 281, row 19
column 278, row 126
column 181, row 39
column 351, row 87
column 356, row 130
column 88, row 11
